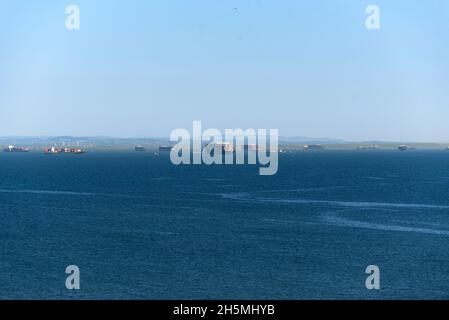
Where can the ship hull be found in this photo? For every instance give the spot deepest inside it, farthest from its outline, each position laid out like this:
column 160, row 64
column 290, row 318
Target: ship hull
column 16, row 150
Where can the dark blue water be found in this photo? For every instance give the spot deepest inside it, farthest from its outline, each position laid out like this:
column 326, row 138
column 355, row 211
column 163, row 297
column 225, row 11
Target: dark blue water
column 140, row 228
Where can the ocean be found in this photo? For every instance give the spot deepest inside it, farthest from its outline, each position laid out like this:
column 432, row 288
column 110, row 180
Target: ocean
column 139, row 227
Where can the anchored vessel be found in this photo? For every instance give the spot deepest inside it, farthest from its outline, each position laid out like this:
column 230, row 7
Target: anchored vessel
column 15, row 149
column 223, row 146
column 250, row 147
column 140, row 149
column 165, row 148
column 368, row 147
column 313, row 147
column 54, row 150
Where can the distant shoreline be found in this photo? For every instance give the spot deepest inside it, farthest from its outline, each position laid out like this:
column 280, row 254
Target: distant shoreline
column 152, row 144
column 152, row 148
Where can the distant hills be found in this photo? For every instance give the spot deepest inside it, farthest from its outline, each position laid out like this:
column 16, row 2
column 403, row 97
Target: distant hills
column 69, row 140
column 300, row 139
column 117, row 140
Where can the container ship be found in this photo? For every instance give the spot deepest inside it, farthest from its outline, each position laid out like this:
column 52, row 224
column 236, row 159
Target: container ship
column 15, row 149
column 54, row 150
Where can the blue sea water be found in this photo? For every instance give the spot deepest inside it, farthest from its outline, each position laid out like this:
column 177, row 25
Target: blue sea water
column 139, row 227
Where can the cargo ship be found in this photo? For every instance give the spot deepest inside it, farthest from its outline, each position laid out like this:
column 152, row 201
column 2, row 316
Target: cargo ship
column 250, row 147
column 15, row 149
column 73, row 150
column 313, row 147
column 368, row 147
column 165, row 148
column 54, row 150
column 140, row 149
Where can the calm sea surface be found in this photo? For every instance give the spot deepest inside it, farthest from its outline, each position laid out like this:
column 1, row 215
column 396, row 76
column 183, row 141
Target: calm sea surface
column 139, row 227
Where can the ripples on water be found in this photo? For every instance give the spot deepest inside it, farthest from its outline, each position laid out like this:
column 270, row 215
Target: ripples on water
column 139, row 227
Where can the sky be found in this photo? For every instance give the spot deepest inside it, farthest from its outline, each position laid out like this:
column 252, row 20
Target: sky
column 142, row 68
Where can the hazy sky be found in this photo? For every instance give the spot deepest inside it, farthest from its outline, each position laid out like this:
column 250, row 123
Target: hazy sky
column 142, row 68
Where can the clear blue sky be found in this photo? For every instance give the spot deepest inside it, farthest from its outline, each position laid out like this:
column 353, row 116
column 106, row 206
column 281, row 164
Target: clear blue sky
column 141, row 68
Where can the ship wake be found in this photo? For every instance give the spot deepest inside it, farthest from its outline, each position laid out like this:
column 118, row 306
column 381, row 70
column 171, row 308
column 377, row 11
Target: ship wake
column 67, row 193
column 334, row 219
